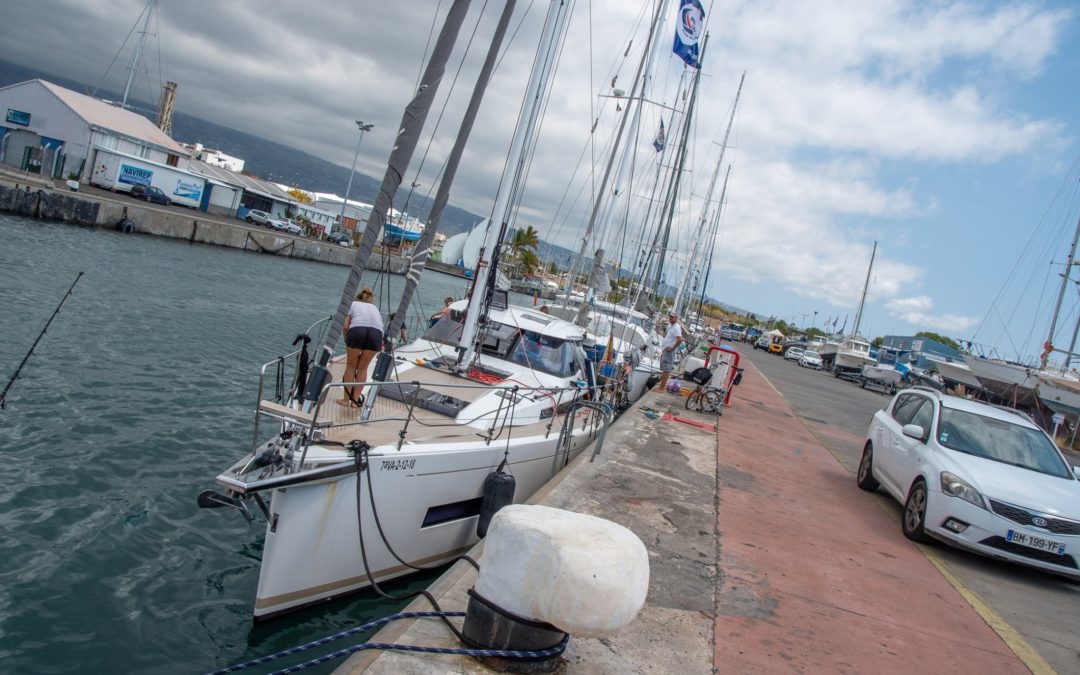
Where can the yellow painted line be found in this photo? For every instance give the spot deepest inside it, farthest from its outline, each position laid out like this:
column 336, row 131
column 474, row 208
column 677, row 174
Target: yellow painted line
column 1009, row 635
column 1012, row 639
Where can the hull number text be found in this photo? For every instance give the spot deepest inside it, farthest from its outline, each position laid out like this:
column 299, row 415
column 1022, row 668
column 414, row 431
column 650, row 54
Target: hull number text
column 397, row 464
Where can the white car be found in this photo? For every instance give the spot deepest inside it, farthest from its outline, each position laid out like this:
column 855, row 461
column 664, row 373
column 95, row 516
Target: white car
column 793, row 353
column 292, row 227
column 979, row 477
column 810, row 359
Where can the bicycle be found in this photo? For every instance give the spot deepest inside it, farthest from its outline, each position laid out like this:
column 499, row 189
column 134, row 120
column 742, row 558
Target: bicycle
column 704, row 398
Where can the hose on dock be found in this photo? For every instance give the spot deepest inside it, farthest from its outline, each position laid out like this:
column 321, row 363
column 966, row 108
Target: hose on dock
column 496, row 653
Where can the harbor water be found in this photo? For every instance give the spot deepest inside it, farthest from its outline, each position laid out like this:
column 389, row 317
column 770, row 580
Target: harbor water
column 139, row 394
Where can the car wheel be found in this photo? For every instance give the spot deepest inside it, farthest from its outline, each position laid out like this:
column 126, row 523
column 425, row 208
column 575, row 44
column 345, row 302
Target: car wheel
column 913, row 520
column 864, row 478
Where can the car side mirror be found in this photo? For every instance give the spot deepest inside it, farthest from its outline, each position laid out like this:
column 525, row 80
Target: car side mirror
column 913, row 431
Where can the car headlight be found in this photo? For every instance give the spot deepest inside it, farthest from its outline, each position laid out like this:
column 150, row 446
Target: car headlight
column 954, row 486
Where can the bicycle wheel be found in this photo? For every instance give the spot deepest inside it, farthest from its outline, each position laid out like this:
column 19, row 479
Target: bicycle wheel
column 712, row 401
column 693, row 401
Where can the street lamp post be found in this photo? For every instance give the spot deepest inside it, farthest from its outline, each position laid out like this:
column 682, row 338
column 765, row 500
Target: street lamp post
column 814, row 325
column 348, row 188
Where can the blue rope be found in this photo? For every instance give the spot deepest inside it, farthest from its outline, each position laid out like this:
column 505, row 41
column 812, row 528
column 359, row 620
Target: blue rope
column 500, row 653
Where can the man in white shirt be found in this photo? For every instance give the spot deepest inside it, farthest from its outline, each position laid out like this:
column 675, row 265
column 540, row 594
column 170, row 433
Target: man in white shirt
column 672, row 340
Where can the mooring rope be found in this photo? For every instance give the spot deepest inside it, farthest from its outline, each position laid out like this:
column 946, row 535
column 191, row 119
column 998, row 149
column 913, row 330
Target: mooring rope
column 497, row 653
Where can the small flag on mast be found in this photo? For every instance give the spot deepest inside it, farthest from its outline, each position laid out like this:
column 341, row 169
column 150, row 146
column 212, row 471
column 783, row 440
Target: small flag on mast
column 688, row 32
column 660, row 138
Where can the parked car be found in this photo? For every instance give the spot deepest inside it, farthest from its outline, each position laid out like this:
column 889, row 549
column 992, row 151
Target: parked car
column 793, row 353
column 810, row 359
column 339, row 238
column 292, row 227
column 277, row 223
column 762, row 342
column 258, row 217
column 976, row 476
column 150, row 194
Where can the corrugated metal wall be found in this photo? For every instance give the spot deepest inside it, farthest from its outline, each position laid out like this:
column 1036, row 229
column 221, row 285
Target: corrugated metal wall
column 48, row 117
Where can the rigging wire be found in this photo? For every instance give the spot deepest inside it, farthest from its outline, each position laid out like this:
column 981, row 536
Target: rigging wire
column 93, row 92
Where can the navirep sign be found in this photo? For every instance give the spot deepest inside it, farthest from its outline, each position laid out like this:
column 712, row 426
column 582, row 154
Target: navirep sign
column 134, row 175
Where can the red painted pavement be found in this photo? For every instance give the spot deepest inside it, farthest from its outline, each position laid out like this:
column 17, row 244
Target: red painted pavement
column 814, row 576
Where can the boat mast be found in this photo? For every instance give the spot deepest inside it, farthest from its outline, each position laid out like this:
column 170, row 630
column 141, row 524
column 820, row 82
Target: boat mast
column 150, row 6
column 637, row 92
column 672, row 197
column 709, row 193
column 442, row 196
column 1049, row 346
column 866, row 285
column 712, row 243
column 412, row 122
column 543, row 66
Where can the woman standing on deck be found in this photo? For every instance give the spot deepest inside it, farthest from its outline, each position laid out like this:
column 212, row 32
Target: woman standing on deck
column 363, row 340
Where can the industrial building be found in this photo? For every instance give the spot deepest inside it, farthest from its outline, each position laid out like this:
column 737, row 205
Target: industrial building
column 53, row 131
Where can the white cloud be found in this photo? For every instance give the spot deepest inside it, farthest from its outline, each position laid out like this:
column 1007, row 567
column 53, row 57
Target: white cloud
column 918, row 311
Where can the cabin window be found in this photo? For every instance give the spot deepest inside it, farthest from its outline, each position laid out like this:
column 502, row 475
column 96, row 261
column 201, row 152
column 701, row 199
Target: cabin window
column 545, row 353
column 498, row 339
column 447, row 329
column 173, row 160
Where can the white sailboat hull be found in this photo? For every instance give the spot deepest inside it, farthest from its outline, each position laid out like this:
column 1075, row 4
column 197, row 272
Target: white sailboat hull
column 312, row 549
column 1010, row 381
column 1059, row 394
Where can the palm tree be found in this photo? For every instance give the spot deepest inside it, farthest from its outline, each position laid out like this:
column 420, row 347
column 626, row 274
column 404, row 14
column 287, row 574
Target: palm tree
column 525, row 241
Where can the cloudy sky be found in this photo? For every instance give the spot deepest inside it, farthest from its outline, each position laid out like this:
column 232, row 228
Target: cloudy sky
column 945, row 131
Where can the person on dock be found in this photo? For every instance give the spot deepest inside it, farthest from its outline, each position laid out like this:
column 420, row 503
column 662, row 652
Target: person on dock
column 363, row 340
column 672, row 340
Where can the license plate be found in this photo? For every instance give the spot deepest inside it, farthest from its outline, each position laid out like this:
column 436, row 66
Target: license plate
column 1032, row 541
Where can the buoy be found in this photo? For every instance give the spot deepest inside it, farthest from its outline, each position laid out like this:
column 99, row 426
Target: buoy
column 498, row 492
column 547, row 573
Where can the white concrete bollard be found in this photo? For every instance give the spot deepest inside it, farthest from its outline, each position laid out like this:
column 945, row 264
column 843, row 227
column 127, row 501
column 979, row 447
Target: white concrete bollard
column 584, row 575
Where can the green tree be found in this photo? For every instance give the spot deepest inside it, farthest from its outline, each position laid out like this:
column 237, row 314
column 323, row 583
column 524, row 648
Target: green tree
column 878, row 341
column 940, row 338
column 552, row 268
column 525, row 242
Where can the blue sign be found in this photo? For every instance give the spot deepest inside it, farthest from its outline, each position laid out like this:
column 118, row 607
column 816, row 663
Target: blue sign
column 133, row 175
column 188, row 190
column 18, row 117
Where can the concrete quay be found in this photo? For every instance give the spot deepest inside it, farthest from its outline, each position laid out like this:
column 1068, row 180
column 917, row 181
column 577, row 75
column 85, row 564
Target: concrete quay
column 101, row 208
column 764, row 558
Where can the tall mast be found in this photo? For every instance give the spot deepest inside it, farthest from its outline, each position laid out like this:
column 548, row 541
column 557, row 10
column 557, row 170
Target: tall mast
column 677, row 177
column 150, row 6
column 555, row 25
column 866, row 285
column 1061, row 296
column 712, row 243
column 412, row 122
column 638, row 91
column 442, row 196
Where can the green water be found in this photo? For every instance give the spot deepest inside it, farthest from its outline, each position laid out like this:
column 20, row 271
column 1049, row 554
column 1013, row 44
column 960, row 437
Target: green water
column 138, row 395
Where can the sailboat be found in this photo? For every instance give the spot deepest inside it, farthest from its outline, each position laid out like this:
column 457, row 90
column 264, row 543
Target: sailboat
column 1059, row 389
column 353, row 496
column 1022, row 385
column 853, row 353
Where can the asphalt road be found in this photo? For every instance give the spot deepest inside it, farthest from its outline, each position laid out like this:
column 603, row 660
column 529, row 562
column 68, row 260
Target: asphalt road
column 1044, row 610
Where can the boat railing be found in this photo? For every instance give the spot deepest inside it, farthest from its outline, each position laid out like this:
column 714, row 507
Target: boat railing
column 391, row 412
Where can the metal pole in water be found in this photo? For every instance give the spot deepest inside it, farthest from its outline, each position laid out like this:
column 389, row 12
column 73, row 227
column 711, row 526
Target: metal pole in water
column 15, row 376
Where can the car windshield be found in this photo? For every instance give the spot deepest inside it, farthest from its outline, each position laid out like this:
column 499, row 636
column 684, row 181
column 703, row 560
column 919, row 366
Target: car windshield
column 1000, row 441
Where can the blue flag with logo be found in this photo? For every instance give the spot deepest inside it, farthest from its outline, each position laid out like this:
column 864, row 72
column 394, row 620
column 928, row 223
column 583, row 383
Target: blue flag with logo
column 688, row 31
column 660, row 138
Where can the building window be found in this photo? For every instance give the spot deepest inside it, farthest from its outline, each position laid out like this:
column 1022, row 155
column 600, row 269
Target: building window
column 173, row 160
